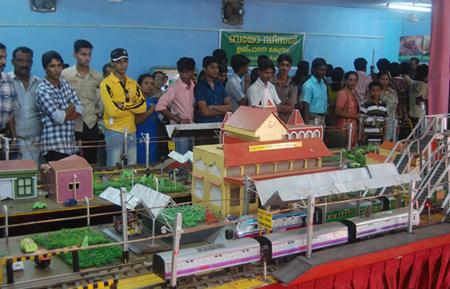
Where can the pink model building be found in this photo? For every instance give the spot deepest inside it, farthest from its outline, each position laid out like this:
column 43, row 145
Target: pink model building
column 69, row 178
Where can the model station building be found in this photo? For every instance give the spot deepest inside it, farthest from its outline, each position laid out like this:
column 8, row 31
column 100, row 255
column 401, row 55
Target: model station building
column 258, row 144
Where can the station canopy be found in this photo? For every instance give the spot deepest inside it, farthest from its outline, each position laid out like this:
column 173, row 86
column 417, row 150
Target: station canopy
column 295, row 188
column 154, row 202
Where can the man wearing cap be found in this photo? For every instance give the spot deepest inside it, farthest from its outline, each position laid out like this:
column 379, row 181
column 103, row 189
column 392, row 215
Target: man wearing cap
column 122, row 100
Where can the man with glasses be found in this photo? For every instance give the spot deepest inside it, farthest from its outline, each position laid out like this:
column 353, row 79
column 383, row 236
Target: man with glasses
column 27, row 117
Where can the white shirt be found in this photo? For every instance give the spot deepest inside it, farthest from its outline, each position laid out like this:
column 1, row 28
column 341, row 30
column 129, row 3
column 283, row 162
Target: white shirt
column 262, row 95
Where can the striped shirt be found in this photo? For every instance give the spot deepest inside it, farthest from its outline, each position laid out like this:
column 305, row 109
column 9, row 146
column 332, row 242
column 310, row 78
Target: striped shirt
column 374, row 114
column 57, row 133
column 8, row 99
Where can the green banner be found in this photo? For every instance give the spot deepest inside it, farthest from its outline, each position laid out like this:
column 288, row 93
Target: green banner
column 253, row 44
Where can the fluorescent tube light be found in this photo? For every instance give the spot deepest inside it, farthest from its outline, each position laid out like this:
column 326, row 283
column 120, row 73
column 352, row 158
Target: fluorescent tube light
column 420, row 7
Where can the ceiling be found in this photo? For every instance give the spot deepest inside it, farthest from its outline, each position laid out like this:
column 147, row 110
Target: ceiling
column 351, row 3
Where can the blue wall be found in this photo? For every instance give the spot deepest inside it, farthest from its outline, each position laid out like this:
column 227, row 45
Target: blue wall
column 421, row 27
column 157, row 33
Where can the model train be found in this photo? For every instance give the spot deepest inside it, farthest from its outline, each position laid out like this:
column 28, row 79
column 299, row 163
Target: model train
column 247, row 226
column 236, row 252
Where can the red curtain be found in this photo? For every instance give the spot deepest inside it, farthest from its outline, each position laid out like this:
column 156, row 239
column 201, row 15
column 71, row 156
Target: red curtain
column 433, row 265
column 361, row 277
column 343, row 280
column 391, row 273
column 426, row 269
column 376, row 278
column 325, row 283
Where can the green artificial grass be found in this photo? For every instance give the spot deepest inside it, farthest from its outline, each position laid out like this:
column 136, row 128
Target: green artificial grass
column 125, row 180
column 75, row 237
column 192, row 215
column 357, row 156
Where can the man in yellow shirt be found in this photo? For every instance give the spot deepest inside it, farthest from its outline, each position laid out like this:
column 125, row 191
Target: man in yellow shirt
column 122, row 100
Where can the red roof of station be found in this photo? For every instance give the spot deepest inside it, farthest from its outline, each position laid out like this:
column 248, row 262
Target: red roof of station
column 250, row 118
column 240, row 179
column 17, row 165
column 236, row 154
column 295, row 119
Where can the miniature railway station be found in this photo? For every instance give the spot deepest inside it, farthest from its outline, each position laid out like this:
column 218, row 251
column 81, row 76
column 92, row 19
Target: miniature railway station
column 265, row 204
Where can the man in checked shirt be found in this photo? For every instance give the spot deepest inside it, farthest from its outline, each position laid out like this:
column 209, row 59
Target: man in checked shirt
column 8, row 101
column 59, row 107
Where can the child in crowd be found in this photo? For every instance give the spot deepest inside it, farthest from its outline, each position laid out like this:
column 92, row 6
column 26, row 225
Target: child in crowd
column 374, row 113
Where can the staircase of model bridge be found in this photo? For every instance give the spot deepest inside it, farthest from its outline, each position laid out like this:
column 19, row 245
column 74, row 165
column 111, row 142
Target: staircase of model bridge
column 427, row 151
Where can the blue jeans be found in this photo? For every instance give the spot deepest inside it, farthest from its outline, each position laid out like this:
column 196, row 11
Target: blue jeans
column 183, row 144
column 115, row 148
column 30, row 149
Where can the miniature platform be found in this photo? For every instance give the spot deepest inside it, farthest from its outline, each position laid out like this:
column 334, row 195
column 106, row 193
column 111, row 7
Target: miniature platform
column 383, row 247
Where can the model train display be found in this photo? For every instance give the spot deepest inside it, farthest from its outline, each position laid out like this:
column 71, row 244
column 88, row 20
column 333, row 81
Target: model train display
column 247, row 226
column 236, row 252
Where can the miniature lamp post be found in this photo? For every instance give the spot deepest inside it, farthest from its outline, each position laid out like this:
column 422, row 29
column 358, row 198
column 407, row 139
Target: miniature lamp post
column 147, row 149
column 175, row 172
column 132, row 177
column 309, row 228
column 88, row 211
column 125, row 147
column 5, row 209
column 75, row 186
column 6, row 145
column 155, row 179
column 412, row 197
column 349, row 136
column 246, row 194
column 125, row 253
column 176, row 249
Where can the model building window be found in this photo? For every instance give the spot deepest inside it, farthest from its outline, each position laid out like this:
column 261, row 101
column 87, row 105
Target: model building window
column 214, row 170
column 266, row 168
column 24, row 187
column 71, row 185
column 299, row 164
column 312, row 163
column 199, row 191
column 216, row 196
column 282, row 166
column 200, row 165
column 250, row 170
column 233, row 172
column 235, row 196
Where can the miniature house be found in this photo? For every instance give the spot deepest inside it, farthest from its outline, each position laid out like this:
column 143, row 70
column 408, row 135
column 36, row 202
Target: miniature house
column 18, row 179
column 69, row 178
column 256, row 143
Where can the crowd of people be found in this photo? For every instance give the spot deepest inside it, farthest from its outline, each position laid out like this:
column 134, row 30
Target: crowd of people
column 73, row 109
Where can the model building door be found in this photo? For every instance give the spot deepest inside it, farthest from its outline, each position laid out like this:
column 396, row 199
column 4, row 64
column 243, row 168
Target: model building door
column 6, row 188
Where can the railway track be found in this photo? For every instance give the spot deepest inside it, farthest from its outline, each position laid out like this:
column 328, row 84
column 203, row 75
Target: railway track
column 220, row 277
column 86, row 277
